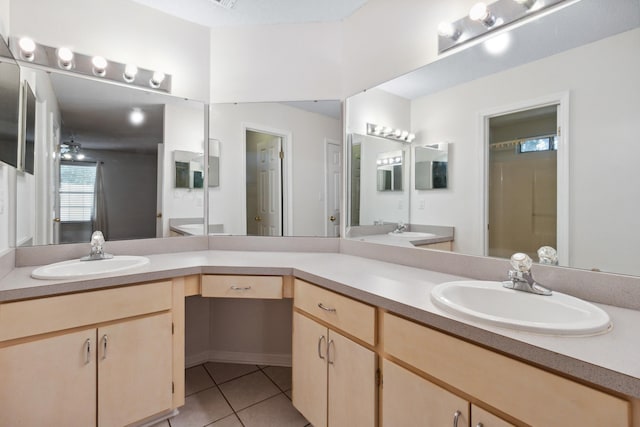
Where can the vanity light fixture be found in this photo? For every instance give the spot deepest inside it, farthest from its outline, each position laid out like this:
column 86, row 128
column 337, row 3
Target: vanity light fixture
column 390, row 133
column 480, row 12
column 63, row 58
column 484, row 18
column 71, row 151
column 27, row 48
column 130, row 71
column 446, row 29
column 99, row 66
column 157, row 79
column 528, row 4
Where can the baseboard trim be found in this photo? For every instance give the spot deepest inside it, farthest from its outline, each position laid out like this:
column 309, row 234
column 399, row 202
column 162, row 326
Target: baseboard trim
column 271, row 359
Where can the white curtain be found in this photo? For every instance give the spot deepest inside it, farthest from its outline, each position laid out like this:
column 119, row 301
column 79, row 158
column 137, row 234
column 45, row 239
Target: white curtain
column 99, row 216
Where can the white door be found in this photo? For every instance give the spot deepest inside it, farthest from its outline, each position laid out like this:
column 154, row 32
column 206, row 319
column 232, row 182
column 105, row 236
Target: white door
column 333, row 182
column 269, row 212
column 159, row 185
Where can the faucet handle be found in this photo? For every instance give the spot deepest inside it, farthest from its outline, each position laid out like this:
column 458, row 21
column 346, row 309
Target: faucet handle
column 548, row 255
column 97, row 238
column 521, row 262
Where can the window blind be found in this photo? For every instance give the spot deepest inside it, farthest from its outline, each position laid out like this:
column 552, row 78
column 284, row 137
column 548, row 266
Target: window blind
column 77, row 183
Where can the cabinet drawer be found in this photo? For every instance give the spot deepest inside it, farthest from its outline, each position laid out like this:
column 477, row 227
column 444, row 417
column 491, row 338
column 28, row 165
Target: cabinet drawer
column 502, row 382
column 266, row 287
column 351, row 316
column 38, row 316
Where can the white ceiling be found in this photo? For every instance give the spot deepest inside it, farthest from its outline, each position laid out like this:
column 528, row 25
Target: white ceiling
column 257, row 12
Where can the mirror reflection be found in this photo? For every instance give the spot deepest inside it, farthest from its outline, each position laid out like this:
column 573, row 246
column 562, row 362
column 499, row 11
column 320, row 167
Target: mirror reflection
column 573, row 94
column 281, row 171
column 9, row 109
column 430, row 166
column 106, row 162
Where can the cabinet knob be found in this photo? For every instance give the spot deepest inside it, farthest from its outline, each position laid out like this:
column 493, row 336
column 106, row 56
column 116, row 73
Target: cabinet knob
column 329, row 359
column 257, row 218
column 105, row 340
column 87, row 345
column 332, row 218
column 322, row 338
column 456, row 417
column 325, row 308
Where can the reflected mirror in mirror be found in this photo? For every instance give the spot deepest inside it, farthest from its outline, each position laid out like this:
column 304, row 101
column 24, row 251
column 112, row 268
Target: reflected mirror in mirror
column 188, row 169
column 9, row 108
column 589, row 76
column 282, row 168
column 107, row 162
column 376, row 188
column 430, row 166
column 28, row 129
column 389, row 171
column 214, row 163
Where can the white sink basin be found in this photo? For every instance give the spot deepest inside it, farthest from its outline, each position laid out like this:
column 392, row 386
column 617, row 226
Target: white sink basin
column 413, row 235
column 80, row 269
column 489, row 302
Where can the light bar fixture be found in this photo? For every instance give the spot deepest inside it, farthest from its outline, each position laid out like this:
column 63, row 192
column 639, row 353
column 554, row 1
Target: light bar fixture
column 484, row 18
column 63, row 58
column 390, row 133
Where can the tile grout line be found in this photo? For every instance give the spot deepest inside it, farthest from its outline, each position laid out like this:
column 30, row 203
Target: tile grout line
column 225, row 397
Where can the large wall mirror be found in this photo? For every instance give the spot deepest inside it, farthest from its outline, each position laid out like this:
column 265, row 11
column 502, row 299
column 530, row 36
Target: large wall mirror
column 280, row 169
column 104, row 160
column 542, row 128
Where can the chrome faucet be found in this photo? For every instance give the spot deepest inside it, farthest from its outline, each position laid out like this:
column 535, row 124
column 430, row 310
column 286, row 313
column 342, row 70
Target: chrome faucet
column 520, row 278
column 97, row 248
column 400, row 227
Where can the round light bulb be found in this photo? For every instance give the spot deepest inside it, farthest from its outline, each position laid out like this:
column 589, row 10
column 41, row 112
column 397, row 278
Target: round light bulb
column 27, row 47
column 80, row 156
column 411, row 137
column 379, row 162
column 99, row 65
column 65, row 54
column 136, row 117
column 397, row 133
column 398, row 159
column 404, row 134
column 65, row 58
column 130, row 71
column 446, row 29
column 478, row 12
column 377, row 130
column 157, row 79
column 67, row 156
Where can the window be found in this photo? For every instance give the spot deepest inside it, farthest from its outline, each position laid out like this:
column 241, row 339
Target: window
column 77, row 183
column 548, row 143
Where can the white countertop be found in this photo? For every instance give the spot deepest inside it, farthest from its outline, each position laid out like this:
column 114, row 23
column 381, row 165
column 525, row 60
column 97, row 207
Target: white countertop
column 609, row 360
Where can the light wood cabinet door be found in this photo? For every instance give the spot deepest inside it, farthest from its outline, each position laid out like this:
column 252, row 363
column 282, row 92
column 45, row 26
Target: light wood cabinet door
column 134, row 370
column 50, row 381
column 309, row 371
column 482, row 418
column 409, row 400
column 352, row 384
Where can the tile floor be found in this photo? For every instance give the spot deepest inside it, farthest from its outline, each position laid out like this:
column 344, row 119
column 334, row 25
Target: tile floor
column 232, row 395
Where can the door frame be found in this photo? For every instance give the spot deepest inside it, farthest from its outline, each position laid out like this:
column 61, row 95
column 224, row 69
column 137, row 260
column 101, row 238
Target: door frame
column 561, row 99
column 328, row 141
column 287, row 168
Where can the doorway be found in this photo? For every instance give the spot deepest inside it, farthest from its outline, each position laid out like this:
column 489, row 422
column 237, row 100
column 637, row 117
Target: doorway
column 264, row 183
column 333, row 184
column 522, row 181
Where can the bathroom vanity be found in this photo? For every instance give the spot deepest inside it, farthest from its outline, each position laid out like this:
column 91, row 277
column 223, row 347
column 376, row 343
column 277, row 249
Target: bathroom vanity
column 364, row 333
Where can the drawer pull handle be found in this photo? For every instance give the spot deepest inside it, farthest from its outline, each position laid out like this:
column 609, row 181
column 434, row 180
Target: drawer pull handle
column 456, row 416
column 87, row 345
column 240, row 288
column 104, row 346
column 325, row 308
column 322, row 338
column 329, row 360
